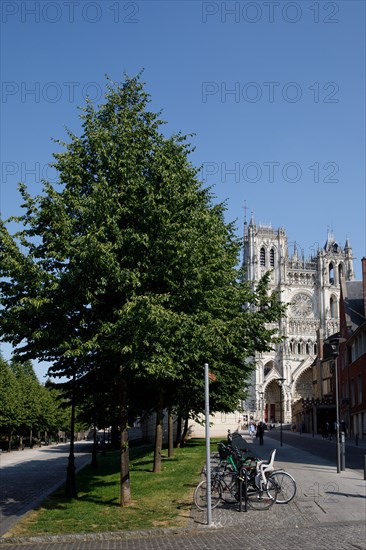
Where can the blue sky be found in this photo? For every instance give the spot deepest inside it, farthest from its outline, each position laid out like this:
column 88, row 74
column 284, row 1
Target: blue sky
column 273, row 91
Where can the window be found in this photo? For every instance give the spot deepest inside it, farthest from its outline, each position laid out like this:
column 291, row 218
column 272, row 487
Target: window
column 352, row 392
column 357, row 347
column 331, row 303
column 262, row 257
column 340, row 271
column 272, row 258
column 349, row 355
column 315, row 349
column 331, row 274
column 359, row 389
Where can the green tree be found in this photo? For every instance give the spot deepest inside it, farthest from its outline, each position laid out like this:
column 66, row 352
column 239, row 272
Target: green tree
column 129, row 268
column 30, row 396
column 9, row 401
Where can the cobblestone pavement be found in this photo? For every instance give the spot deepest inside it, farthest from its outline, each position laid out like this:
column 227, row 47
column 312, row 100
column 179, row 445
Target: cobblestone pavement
column 255, row 536
column 329, row 512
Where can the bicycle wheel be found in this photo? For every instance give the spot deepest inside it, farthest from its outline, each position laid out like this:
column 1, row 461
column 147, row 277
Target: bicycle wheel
column 286, row 486
column 229, row 487
column 200, row 494
column 259, row 499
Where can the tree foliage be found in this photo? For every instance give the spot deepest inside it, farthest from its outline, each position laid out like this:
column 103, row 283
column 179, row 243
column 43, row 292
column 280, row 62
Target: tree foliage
column 28, row 407
column 125, row 272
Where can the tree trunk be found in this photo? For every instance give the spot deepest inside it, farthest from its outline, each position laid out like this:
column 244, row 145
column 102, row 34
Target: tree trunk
column 170, row 433
column 125, row 488
column 179, row 432
column 158, row 435
column 185, row 431
column 94, row 462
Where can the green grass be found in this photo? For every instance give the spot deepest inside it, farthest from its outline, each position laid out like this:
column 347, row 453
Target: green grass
column 158, row 500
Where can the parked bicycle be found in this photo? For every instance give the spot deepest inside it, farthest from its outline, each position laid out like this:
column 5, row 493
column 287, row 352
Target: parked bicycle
column 285, row 482
column 277, row 485
column 259, row 491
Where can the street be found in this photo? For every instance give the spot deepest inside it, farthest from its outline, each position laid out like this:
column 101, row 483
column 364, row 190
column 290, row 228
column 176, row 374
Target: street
column 355, row 455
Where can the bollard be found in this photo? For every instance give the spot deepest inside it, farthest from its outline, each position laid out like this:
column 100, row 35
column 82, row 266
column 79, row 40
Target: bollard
column 343, row 451
column 240, row 490
column 356, row 440
column 245, row 492
column 364, row 470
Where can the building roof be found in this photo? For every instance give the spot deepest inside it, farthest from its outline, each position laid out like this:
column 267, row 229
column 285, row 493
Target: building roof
column 353, row 303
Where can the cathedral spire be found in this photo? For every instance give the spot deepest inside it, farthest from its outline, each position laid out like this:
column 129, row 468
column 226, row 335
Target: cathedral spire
column 347, row 246
column 330, row 239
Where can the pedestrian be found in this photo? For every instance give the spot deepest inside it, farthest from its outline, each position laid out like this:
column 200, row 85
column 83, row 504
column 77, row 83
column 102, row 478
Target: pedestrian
column 252, row 429
column 260, row 432
column 344, row 428
column 325, row 430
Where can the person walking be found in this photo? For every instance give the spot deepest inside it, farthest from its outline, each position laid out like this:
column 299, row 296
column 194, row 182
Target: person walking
column 260, row 432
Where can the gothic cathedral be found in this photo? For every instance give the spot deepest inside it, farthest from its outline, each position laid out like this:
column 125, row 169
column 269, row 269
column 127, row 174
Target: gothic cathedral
column 311, row 287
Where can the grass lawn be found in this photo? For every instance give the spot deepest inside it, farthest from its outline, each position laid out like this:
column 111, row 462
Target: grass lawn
column 158, row 500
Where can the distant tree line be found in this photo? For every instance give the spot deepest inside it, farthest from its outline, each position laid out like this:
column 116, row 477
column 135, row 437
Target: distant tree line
column 29, row 411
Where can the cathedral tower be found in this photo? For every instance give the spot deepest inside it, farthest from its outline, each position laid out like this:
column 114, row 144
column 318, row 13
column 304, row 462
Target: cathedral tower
column 311, row 288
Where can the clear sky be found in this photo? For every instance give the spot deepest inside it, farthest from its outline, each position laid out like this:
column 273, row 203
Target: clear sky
column 274, row 92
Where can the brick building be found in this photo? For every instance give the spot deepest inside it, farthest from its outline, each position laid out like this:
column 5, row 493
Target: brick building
column 352, row 360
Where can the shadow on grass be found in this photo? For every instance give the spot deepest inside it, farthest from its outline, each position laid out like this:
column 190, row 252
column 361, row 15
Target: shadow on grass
column 95, row 486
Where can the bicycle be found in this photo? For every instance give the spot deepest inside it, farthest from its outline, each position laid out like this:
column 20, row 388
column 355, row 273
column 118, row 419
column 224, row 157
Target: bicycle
column 261, row 491
column 286, row 484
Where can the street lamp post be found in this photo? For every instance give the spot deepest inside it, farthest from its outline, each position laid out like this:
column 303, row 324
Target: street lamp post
column 334, row 342
column 280, row 381
column 70, row 486
column 261, row 404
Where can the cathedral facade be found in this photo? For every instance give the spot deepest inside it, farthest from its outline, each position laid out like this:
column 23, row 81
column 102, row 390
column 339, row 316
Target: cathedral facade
column 311, row 288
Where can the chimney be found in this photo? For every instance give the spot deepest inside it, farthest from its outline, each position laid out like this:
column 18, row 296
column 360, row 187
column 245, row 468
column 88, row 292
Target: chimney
column 363, row 261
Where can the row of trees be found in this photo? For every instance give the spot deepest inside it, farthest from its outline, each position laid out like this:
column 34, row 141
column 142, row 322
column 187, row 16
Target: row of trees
column 125, row 277
column 27, row 408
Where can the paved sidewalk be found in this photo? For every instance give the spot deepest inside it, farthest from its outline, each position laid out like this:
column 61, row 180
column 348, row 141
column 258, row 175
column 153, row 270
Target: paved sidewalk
column 28, row 476
column 323, row 495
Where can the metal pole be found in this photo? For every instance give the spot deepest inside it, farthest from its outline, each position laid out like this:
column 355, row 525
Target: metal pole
column 70, row 486
column 281, row 415
column 337, row 416
column 280, row 381
column 343, row 451
column 208, row 450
